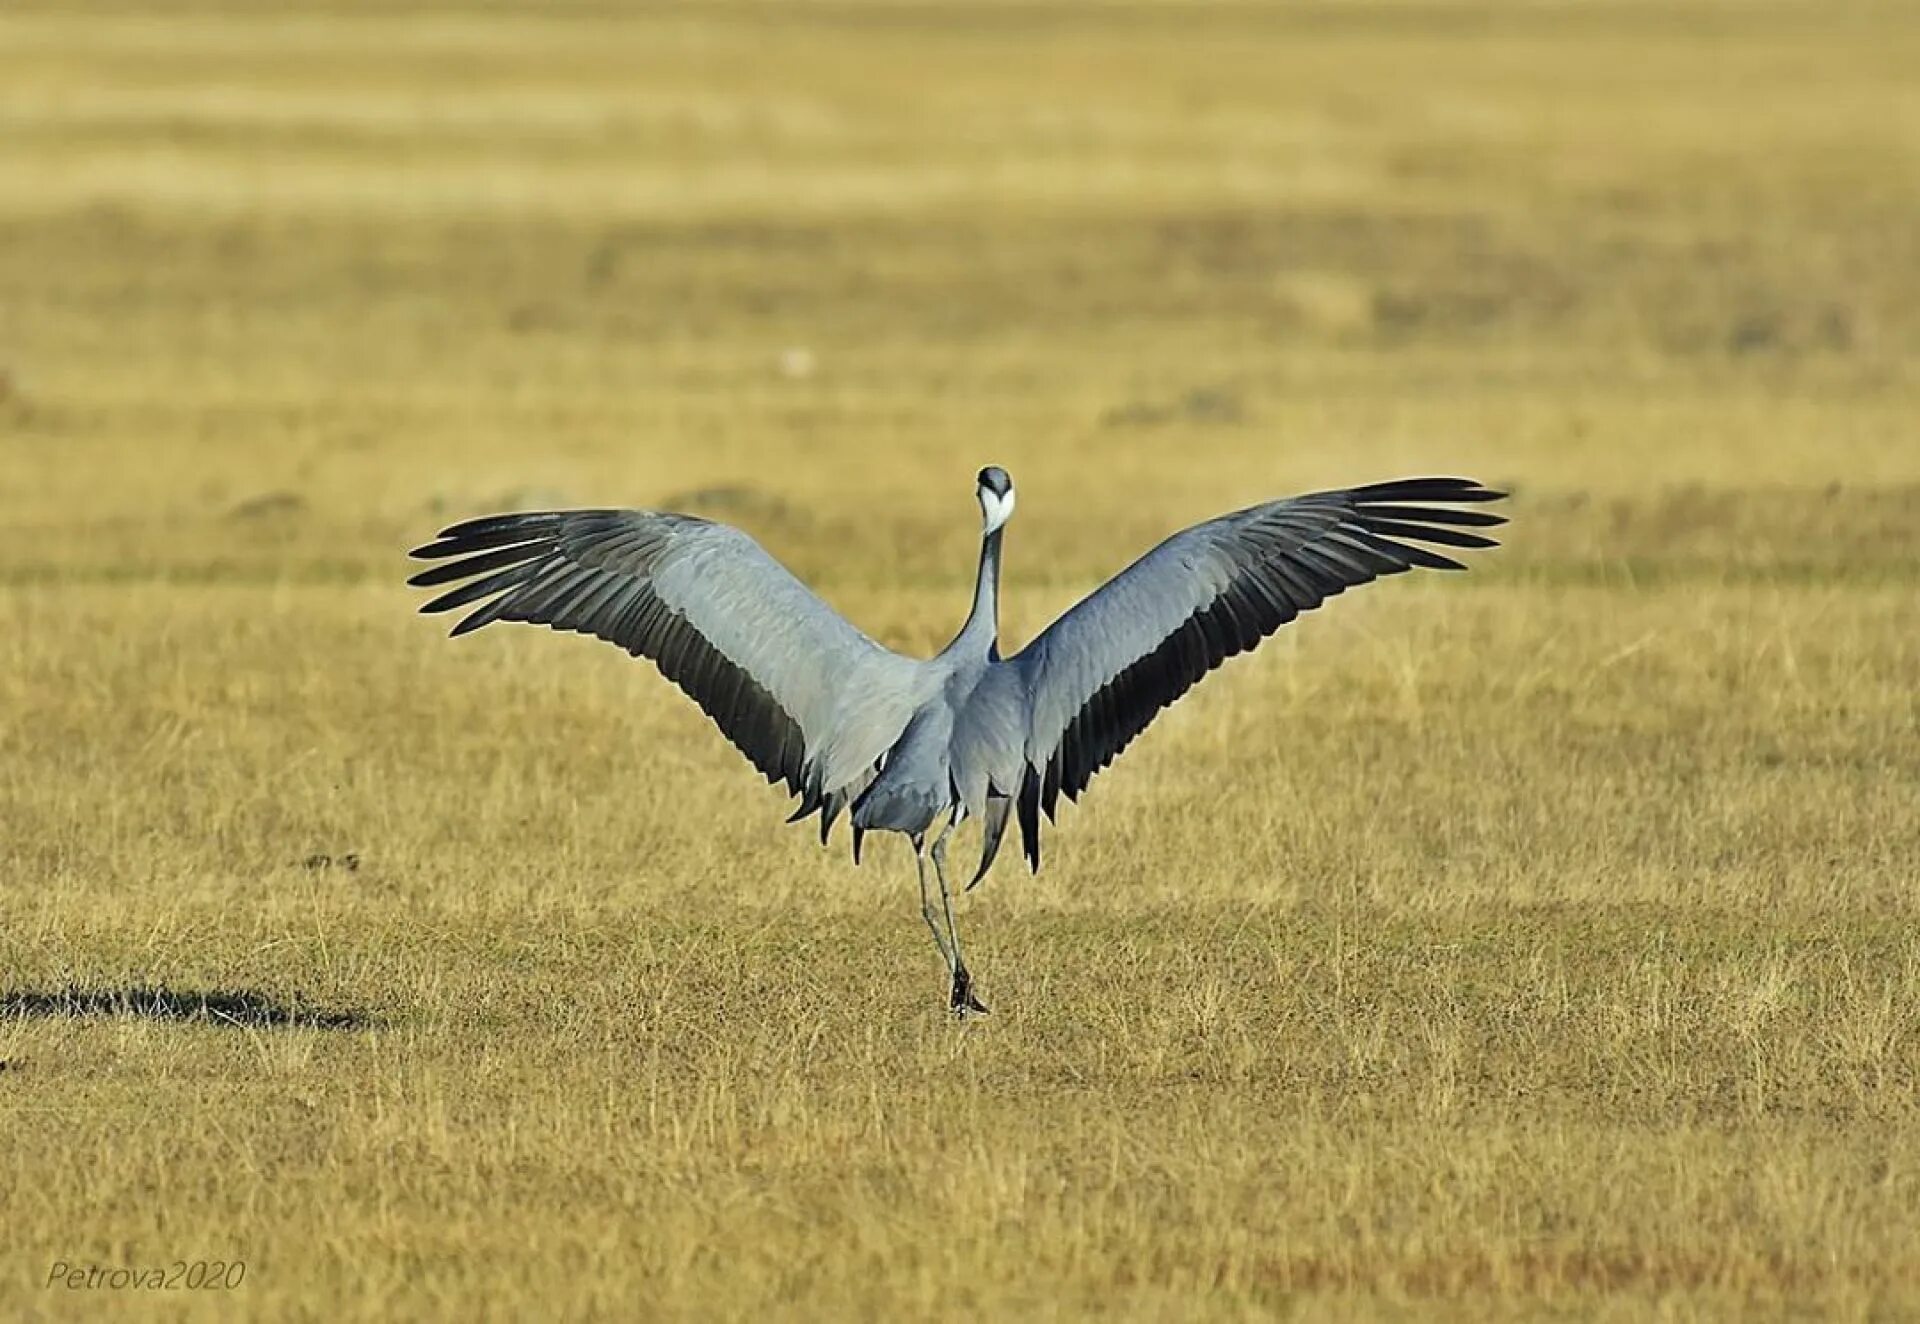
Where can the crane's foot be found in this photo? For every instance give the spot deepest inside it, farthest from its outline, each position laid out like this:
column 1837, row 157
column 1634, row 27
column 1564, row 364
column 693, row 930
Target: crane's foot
column 963, row 1003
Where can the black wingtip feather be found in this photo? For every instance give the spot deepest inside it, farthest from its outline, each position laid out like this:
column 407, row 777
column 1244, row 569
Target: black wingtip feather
column 486, row 586
column 1428, row 533
column 1481, row 519
column 1425, row 489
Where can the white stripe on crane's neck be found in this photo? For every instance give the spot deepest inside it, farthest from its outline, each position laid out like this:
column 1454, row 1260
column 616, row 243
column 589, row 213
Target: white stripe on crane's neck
column 996, row 509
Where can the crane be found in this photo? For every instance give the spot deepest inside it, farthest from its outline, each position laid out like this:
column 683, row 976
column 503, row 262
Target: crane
column 912, row 745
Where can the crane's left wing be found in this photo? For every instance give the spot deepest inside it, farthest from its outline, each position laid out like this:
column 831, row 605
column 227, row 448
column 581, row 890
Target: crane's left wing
column 1097, row 676
column 790, row 682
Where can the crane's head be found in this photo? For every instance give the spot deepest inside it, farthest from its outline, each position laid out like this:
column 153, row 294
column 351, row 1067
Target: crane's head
column 996, row 496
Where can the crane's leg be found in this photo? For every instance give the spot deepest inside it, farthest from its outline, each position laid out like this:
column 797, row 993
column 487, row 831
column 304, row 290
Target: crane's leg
column 962, row 1000
column 926, row 905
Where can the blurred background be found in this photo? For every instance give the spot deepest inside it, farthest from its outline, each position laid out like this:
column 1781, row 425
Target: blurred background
column 281, row 286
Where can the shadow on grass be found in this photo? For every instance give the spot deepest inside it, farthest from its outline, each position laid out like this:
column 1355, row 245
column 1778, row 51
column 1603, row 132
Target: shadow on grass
column 239, row 1007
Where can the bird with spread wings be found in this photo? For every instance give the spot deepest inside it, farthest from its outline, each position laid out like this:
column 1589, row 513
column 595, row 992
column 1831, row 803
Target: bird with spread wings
column 900, row 744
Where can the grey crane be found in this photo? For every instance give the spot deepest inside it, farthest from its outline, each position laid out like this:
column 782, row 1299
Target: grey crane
column 844, row 722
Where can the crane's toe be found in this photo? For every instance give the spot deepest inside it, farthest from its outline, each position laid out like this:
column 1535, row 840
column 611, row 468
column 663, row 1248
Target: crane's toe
column 963, row 1003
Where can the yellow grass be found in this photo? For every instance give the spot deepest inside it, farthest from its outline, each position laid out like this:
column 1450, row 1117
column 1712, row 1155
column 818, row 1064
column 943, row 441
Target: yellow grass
column 1542, row 942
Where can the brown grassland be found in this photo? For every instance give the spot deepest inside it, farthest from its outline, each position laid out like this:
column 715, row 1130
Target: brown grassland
column 1537, row 942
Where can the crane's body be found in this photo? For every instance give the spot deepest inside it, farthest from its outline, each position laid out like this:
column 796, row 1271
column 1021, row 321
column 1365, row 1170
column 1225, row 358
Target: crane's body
column 910, row 745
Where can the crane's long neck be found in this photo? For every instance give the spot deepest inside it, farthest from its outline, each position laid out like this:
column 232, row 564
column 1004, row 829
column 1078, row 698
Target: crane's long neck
column 982, row 630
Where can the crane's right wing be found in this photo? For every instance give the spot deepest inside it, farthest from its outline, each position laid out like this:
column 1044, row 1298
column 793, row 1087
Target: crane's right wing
column 797, row 689
column 1097, row 676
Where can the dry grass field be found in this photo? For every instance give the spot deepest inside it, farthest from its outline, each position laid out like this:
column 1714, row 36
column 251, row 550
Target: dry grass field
column 1543, row 942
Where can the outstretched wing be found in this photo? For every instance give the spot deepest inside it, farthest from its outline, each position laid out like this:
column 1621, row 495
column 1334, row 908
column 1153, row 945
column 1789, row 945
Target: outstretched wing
column 797, row 689
column 1103, row 671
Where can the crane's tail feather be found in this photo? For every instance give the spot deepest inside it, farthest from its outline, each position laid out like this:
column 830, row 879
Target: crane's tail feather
column 992, row 827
